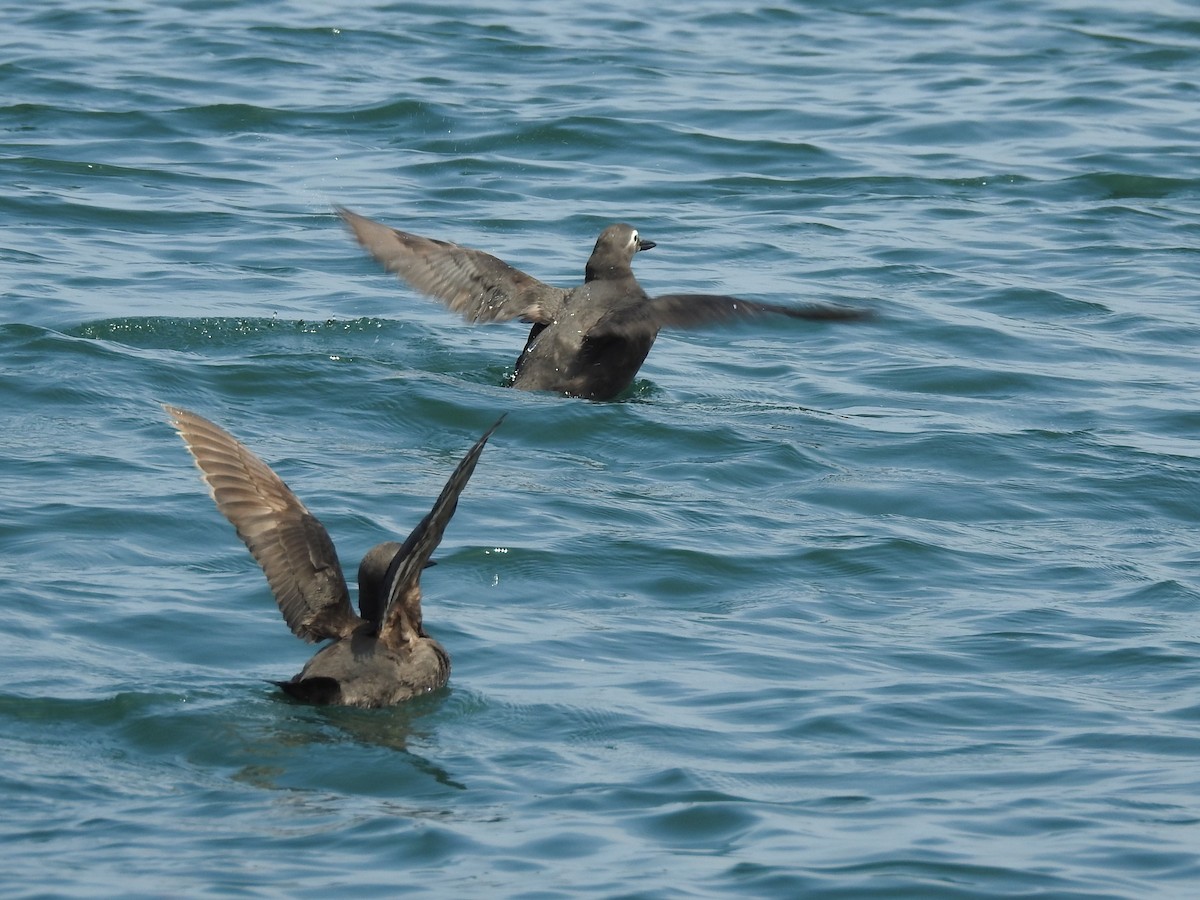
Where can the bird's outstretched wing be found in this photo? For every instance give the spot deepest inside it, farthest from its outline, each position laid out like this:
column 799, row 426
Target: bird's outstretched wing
column 289, row 543
column 475, row 284
column 696, row 310
column 402, row 614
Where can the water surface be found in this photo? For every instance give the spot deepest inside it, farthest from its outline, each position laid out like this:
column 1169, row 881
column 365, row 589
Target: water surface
column 899, row 609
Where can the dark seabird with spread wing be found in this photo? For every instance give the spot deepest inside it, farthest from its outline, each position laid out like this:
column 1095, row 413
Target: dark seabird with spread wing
column 588, row 341
column 379, row 657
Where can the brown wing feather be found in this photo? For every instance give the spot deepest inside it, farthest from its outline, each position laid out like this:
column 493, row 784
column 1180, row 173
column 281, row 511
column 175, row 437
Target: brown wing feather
column 695, row 310
column 402, row 615
column 475, row 284
column 287, row 540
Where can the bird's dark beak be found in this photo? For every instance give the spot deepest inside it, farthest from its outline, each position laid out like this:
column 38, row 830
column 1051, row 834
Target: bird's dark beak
column 646, row 245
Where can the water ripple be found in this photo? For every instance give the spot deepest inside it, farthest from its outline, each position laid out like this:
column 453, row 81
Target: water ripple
column 903, row 609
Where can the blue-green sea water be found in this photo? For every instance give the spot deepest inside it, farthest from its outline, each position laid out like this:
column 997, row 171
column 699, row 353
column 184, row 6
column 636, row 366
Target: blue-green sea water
column 908, row 608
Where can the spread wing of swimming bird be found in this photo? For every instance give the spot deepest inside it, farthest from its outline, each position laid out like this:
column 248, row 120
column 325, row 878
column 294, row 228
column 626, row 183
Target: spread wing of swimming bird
column 475, row 284
column 400, row 622
column 695, row 310
column 288, row 542
column 486, row 289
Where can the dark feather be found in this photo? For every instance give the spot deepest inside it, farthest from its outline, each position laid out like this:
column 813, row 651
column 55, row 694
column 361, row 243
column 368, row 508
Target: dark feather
column 402, row 615
column 475, row 284
column 288, row 541
column 695, row 310
column 320, row 691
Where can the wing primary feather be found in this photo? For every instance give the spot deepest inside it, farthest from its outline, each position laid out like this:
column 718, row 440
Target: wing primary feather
column 288, row 542
column 402, row 613
column 474, row 284
column 696, row 310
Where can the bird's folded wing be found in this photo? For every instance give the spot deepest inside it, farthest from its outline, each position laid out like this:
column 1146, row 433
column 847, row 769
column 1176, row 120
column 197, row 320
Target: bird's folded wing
column 403, row 577
column 289, row 543
column 695, row 310
column 475, row 284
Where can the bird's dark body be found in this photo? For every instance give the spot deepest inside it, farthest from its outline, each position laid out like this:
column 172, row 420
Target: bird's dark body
column 378, row 657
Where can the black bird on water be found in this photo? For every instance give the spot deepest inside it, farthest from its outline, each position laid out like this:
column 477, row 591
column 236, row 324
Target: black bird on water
column 588, row 341
column 379, row 657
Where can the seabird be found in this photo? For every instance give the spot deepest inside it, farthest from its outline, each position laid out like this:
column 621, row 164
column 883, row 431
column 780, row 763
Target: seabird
column 379, row 657
column 588, row 341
